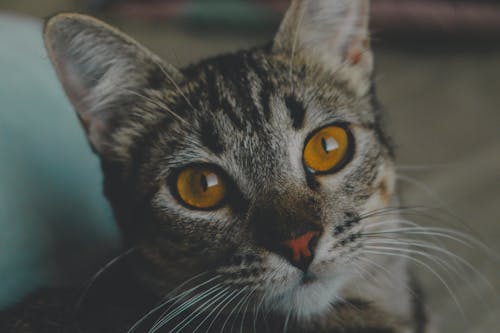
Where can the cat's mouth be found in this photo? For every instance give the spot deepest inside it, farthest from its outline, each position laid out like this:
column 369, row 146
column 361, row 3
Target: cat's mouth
column 311, row 295
column 308, row 278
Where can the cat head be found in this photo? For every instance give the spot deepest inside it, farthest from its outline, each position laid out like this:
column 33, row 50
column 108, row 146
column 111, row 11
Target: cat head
column 257, row 166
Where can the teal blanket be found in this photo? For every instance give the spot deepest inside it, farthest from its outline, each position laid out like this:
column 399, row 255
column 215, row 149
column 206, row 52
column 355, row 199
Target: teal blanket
column 55, row 225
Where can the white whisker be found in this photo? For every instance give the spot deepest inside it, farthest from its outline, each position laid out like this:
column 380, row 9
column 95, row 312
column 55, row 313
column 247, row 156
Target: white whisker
column 287, row 319
column 176, row 85
column 459, row 261
column 240, row 307
column 159, row 104
column 94, row 277
column 424, row 188
column 169, row 299
column 222, row 302
column 167, row 316
column 246, row 308
column 222, row 309
column 197, row 312
column 259, row 309
column 439, row 232
column 436, row 274
column 181, row 296
column 232, row 311
column 184, row 307
column 439, row 261
column 387, row 273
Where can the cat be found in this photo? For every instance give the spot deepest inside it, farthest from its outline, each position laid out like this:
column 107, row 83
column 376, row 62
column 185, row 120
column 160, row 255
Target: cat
column 248, row 187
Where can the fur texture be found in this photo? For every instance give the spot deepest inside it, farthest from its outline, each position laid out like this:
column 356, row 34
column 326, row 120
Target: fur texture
column 248, row 115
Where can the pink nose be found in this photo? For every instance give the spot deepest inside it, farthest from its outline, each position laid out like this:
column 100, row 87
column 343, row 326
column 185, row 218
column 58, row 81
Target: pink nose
column 302, row 249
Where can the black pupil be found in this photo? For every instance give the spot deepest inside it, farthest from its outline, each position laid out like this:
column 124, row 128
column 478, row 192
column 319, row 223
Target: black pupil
column 204, row 183
column 324, row 145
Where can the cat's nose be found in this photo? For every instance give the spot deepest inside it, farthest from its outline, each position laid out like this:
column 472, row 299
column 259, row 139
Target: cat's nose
column 300, row 250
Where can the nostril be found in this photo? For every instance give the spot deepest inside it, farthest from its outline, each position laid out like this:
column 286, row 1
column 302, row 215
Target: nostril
column 301, row 249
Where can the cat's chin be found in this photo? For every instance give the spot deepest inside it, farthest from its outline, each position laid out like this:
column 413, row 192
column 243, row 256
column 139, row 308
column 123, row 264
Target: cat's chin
column 309, row 297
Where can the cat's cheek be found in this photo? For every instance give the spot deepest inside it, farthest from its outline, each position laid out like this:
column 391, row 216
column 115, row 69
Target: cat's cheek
column 386, row 185
column 383, row 189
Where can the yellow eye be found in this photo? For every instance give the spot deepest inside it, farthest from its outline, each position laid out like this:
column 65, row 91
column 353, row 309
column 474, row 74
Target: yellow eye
column 200, row 187
column 327, row 149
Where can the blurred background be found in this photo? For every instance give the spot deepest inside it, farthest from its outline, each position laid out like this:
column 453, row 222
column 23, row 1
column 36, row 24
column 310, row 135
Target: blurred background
column 438, row 77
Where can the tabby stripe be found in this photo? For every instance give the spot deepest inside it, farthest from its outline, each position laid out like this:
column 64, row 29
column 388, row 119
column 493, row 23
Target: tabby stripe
column 266, row 85
column 212, row 92
column 241, row 84
column 140, row 150
column 297, row 111
column 210, row 138
column 216, row 102
column 265, row 101
column 228, row 110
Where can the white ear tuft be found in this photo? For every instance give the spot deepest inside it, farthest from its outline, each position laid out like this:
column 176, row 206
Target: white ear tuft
column 99, row 68
column 333, row 32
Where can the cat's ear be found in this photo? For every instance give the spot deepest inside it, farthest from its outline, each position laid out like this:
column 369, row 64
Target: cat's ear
column 101, row 70
column 330, row 32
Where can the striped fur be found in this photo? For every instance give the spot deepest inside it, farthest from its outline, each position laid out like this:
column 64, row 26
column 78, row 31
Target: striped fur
column 247, row 114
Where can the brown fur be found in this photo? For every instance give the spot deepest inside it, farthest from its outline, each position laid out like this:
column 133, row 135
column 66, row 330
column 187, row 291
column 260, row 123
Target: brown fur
column 147, row 120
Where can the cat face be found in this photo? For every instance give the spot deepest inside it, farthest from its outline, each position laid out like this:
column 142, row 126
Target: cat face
column 258, row 167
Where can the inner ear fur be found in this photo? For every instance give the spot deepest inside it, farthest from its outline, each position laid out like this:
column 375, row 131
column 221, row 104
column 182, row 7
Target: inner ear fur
column 99, row 68
column 331, row 33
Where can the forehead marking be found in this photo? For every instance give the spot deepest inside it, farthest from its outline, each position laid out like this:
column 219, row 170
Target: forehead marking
column 297, row 111
column 210, row 137
column 265, row 84
column 218, row 102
